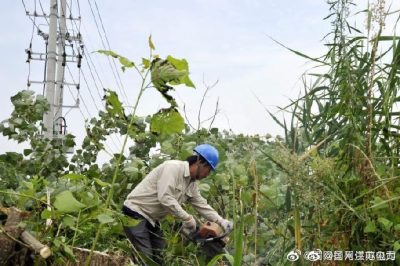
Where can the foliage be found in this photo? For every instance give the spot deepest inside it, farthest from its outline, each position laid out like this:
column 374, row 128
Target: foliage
column 347, row 189
column 331, row 183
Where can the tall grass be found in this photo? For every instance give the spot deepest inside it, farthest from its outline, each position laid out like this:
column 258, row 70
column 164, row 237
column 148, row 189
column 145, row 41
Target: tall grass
column 352, row 107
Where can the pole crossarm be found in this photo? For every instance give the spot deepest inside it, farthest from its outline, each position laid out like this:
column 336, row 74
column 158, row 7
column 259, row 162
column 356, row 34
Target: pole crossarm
column 44, row 15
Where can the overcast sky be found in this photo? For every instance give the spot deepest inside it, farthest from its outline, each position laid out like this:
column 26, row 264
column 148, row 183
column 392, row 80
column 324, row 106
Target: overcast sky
column 222, row 40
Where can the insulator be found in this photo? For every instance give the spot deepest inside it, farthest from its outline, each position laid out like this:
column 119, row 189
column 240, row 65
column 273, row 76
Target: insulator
column 82, row 46
column 79, row 60
column 29, row 53
column 68, row 37
column 64, row 58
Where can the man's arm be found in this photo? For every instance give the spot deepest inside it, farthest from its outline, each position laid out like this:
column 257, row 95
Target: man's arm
column 201, row 205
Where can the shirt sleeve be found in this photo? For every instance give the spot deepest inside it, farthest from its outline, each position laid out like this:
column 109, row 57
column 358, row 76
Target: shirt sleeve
column 166, row 184
column 201, row 205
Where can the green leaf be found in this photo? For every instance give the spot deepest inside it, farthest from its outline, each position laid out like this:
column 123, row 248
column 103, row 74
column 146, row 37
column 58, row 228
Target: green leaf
column 128, row 221
column 385, row 223
column 380, row 204
column 101, row 183
column 46, row 214
column 113, row 104
column 166, row 122
column 131, row 170
column 68, row 251
column 397, row 227
column 126, row 62
column 181, row 64
column 27, row 152
column 69, row 221
column 370, row 227
column 204, row 187
column 74, row 177
column 151, row 44
column 108, row 52
column 66, row 202
column 18, row 121
column 299, row 53
column 188, row 82
column 146, row 63
column 396, row 246
column 215, row 260
column 105, row 218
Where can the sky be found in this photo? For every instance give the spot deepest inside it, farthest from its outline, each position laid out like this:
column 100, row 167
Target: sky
column 228, row 42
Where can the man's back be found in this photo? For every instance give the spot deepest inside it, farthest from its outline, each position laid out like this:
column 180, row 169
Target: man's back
column 154, row 196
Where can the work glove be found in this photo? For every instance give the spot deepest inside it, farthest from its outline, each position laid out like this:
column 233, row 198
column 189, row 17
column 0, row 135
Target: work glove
column 189, row 225
column 226, row 225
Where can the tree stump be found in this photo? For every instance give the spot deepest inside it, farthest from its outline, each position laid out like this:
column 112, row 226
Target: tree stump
column 98, row 258
column 10, row 230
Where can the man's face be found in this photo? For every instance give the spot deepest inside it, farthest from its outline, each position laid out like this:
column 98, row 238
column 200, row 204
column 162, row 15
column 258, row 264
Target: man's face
column 203, row 170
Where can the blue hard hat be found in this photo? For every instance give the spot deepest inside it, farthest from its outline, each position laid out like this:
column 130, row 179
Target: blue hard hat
column 209, row 153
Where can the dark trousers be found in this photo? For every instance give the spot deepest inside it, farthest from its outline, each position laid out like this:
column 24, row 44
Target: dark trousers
column 147, row 239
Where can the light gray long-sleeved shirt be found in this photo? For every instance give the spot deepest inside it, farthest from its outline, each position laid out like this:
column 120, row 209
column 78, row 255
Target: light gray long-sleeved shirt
column 163, row 191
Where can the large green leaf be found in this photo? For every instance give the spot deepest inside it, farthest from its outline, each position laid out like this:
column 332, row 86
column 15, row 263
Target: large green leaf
column 166, row 122
column 181, row 64
column 113, row 104
column 125, row 62
column 66, row 202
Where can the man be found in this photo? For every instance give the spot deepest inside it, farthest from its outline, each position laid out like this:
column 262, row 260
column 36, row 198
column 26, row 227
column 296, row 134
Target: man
column 162, row 192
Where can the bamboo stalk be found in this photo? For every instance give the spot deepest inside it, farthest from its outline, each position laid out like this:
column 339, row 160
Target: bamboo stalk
column 297, row 227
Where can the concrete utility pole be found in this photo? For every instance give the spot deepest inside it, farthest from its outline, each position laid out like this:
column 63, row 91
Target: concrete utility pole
column 58, row 114
column 56, row 59
column 48, row 118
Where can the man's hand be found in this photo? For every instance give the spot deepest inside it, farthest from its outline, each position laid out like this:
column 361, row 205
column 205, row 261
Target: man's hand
column 226, row 225
column 189, row 225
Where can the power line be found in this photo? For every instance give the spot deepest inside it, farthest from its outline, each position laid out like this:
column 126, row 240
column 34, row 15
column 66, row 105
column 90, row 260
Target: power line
column 91, row 95
column 109, row 47
column 92, row 69
column 84, row 104
column 44, row 13
column 29, row 16
column 115, row 73
column 108, row 148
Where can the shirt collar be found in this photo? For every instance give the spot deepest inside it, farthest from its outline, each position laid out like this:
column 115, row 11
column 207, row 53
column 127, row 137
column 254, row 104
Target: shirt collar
column 186, row 172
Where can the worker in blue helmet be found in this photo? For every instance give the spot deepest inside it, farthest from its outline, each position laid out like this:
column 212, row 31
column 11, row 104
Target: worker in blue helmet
column 162, row 192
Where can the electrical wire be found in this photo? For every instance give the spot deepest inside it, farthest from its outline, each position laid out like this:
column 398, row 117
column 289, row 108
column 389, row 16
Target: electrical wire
column 94, row 80
column 44, row 13
column 109, row 47
column 114, row 72
column 92, row 68
column 107, row 147
column 84, row 104
column 27, row 13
